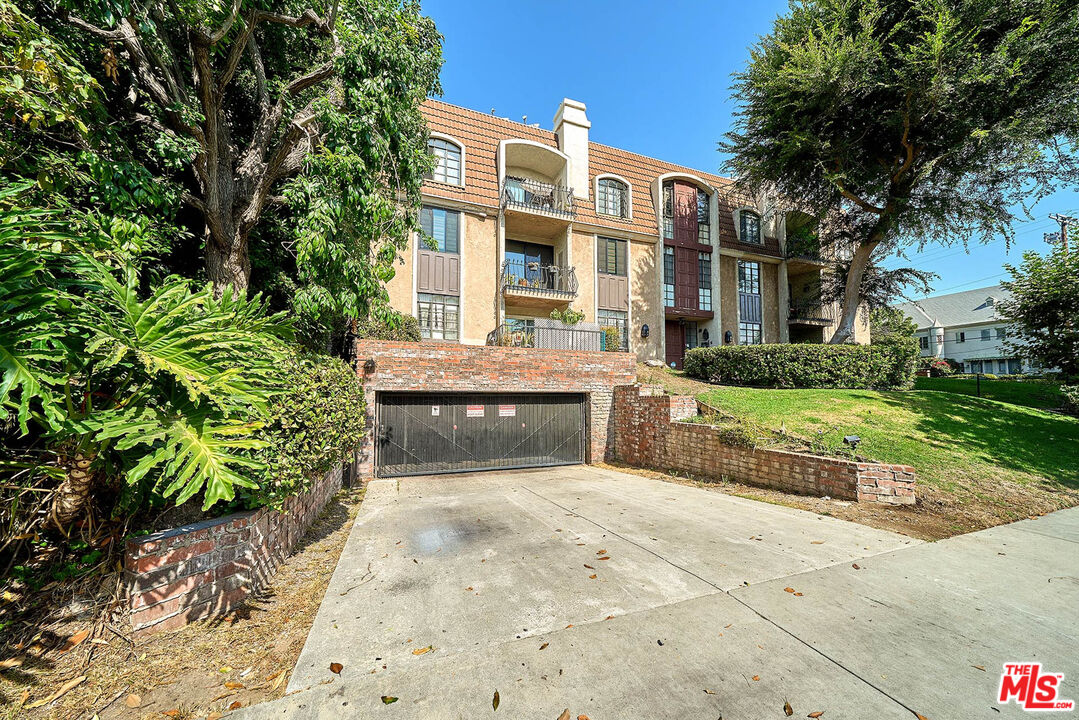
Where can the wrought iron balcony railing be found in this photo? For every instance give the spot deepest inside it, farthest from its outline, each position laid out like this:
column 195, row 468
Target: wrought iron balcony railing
column 539, row 196
column 812, row 312
column 544, row 335
column 535, row 279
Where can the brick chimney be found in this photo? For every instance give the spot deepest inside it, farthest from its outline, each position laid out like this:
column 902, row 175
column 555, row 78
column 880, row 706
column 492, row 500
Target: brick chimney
column 571, row 125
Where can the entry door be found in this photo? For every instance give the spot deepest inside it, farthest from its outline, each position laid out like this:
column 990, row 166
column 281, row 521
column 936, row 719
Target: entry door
column 676, row 343
column 425, row 433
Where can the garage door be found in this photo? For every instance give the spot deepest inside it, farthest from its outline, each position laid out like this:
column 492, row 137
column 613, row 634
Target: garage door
column 421, row 433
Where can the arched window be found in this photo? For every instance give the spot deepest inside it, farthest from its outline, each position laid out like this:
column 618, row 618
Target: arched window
column 750, row 226
column 448, row 161
column 612, row 198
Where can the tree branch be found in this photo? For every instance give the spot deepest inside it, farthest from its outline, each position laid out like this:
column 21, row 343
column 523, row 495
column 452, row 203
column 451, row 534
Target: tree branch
column 222, row 31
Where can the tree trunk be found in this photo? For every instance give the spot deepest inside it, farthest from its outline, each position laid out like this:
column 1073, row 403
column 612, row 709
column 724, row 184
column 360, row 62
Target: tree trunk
column 852, row 293
column 227, row 262
column 72, row 498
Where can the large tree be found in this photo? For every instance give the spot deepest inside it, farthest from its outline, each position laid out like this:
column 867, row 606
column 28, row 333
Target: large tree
column 903, row 122
column 252, row 93
column 1044, row 310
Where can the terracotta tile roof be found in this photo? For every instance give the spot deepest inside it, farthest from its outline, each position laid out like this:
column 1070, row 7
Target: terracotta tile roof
column 481, row 132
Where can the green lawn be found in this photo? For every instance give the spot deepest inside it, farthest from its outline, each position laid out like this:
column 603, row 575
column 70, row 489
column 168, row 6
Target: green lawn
column 1032, row 393
column 952, row 440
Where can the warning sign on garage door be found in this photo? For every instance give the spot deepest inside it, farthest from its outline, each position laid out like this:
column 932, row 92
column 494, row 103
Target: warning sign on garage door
column 507, row 411
column 474, row 411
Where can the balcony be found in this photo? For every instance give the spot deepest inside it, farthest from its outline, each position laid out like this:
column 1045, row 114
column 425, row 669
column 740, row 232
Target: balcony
column 532, row 284
column 803, row 252
column 533, row 196
column 544, row 334
column 812, row 313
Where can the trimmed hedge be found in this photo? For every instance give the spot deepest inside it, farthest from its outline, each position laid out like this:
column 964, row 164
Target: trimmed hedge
column 806, row 366
column 1071, row 398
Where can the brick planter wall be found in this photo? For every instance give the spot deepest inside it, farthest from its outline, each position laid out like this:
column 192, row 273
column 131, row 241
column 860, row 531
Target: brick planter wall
column 385, row 366
column 180, row 575
column 647, row 435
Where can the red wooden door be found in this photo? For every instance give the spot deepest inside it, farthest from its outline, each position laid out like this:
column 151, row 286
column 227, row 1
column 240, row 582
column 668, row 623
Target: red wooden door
column 676, row 343
column 685, row 278
column 685, row 213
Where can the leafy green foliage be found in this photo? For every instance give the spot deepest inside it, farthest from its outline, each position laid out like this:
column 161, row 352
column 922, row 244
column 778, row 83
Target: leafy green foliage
column 890, row 325
column 163, row 389
column 936, row 367
column 612, row 337
column 405, row 328
column 805, row 366
column 906, row 122
column 1043, row 310
column 569, row 316
column 312, row 427
column 1070, row 394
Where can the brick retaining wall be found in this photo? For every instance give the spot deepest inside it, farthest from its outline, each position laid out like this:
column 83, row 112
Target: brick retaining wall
column 647, row 435
column 180, row 575
column 385, row 366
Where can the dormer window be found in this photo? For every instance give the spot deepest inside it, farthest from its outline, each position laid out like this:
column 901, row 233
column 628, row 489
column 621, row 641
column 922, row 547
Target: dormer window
column 990, row 301
column 704, row 224
column 447, row 161
column 750, row 227
column 612, row 198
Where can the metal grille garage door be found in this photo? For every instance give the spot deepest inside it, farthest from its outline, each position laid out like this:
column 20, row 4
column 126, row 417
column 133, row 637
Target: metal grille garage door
column 422, row 433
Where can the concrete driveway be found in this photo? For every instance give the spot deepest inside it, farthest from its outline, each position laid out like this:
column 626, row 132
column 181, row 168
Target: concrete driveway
column 618, row 596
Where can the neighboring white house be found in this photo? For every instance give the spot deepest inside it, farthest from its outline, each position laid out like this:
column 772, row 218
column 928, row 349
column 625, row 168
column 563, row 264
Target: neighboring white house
column 965, row 327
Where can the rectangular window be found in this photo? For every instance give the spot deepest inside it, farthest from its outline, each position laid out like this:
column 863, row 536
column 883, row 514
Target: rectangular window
column 704, row 228
column 668, row 277
column 749, row 333
column 1002, row 333
column 1002, row 365
column 616, row 319
column 749, row 277
column 668, row 211
column 611, row 256
column 985, row 334
column 923, row 343
column 439, row 316
column 750, row 226
column 442, row 225
column 962, row 337
column 704, row 281
column 1014, row 366
column 692, row 340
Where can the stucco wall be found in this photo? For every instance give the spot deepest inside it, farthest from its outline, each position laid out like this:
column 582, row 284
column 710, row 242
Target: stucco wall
column 645, row 307
column 479, row 284
column 769, row 301
column 583, row 259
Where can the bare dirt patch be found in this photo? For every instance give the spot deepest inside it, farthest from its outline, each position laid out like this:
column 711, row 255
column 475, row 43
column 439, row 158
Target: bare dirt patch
column 200, row 671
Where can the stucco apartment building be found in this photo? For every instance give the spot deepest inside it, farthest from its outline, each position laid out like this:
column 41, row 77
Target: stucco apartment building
column 528, row 221
column 966, row 327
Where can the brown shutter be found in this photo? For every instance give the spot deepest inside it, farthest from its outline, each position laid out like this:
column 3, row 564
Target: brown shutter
column 438, row 273
column 685, row 213
column 685, row 277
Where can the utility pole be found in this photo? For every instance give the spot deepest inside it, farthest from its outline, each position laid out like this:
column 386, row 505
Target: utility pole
column 1065, row 222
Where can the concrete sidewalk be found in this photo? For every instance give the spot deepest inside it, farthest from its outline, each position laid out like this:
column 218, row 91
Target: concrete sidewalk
column 688, row 617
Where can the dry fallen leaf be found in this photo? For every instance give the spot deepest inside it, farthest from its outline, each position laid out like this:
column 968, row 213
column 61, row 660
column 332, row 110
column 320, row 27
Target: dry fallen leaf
column 494, row 701
column 980, row 667
column 421, row 651
column 279, row 680
column 582, row 717
column 234, row 685
column 592, row 577
column 569, row 626
column 469, row 588
column 215, row 715
column 816, row 542
column 133, row 701
column 23, row 698
column 564, row 715
column 609, row 617
column 710, row 692
column 856, row 566
column 605, row 557
column 336, row 668
column 175, row 712
column 74, row 641
column 387, row 699
column 816, row 714
column 788, row 589
column 920, row 716
column 236, row 705
column 544, row 646
column 589, row 566
column 63, row 689
column 601, row 552
column 797, row 594
column 787, row 709
column 756, row 678
column 10, row 663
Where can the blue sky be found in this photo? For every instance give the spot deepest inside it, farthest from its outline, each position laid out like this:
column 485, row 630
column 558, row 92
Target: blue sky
column 655, row 77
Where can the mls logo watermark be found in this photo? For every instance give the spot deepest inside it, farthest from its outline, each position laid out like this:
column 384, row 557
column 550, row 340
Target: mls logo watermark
column 1031, row 688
